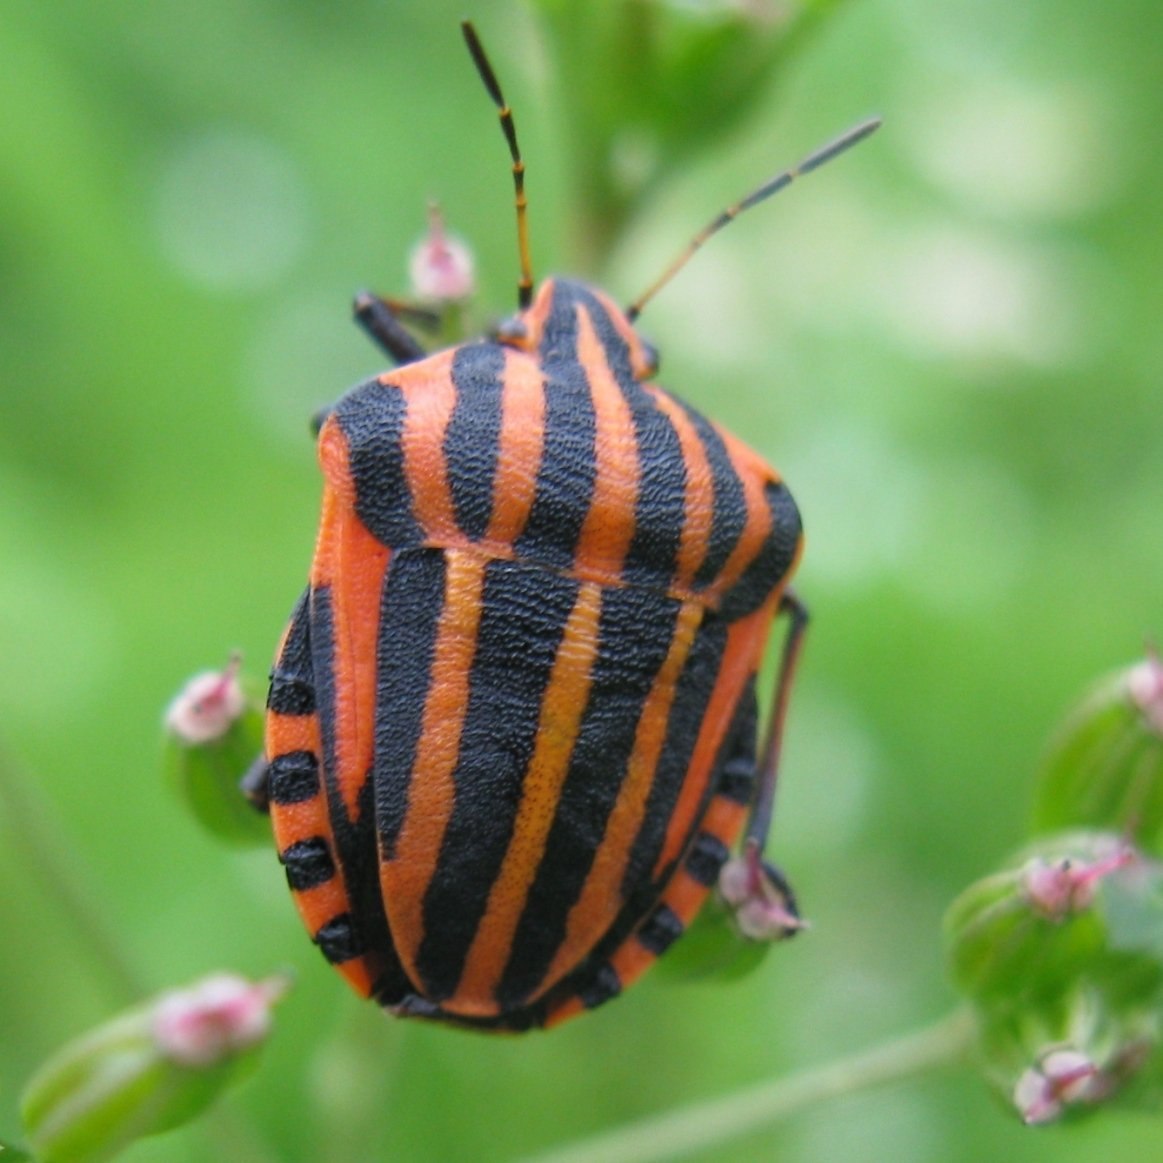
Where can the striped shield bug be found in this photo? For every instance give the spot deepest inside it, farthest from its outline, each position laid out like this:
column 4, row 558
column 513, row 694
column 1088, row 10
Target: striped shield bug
column 511, row 736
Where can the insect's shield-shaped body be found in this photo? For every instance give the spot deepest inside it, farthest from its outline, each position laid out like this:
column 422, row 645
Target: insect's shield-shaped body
column 541, row 591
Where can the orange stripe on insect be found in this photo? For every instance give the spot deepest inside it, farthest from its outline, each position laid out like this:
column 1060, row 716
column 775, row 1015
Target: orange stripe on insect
column 521, row 437
column 751, row 472
column 609, row 526
column 561, row 714
column 332, row 453
column 404, row 879
column 699, row 509
column 323, row 563
column 361, row 561
column 430, row 405
column 285, row 733
column 601, row 896
column 745, row 641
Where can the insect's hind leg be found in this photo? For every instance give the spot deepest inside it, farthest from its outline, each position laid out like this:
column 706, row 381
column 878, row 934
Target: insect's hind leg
column 759, row 824
column 758, row 891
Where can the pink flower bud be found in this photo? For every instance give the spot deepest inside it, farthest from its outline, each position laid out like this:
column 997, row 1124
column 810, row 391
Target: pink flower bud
column 758, row 897
column 208, row 705
column 1145, row 688
column 1063, row 1076
column 441, row 266
column 147, row 1070
column 1060, row 888
column 214, row 1019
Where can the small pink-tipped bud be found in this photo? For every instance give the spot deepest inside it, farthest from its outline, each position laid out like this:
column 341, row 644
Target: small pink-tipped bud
column 758, row 897
column 208, row 705
column 441, row 266
column 1063, row 1077
column 218, row 1017
column 147, row 1070
column 214, row 730
column 1061, row 888
column 1145, row 688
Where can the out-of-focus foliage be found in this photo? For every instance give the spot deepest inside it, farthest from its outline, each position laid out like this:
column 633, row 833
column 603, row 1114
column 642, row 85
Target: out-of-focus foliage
column 1105, row 766
column 948, row 342
column 1059, row 957
column 1061, row 954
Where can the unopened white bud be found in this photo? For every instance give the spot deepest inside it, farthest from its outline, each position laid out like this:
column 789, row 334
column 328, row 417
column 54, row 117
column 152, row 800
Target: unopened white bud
column 208, row 705
column 441, row 266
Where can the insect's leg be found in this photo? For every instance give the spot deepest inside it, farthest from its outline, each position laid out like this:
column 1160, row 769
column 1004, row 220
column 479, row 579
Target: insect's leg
column 760, row 822
column 754, row 881
column 380, row 318
column 255, row 785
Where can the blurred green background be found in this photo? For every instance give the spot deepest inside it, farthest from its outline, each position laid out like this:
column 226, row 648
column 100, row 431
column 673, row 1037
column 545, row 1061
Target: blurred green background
column 949, row 342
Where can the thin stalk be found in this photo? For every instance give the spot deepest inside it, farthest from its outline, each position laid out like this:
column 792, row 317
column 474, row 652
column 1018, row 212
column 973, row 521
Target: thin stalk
column 680, row 1133
column 30, row 827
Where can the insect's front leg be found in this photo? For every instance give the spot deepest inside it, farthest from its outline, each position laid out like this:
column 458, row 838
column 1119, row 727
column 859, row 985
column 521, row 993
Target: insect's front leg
column 381, row 319
column 256, row 785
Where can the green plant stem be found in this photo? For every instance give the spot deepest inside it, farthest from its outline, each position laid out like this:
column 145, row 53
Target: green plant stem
column 30, row 827
column 679, row 1133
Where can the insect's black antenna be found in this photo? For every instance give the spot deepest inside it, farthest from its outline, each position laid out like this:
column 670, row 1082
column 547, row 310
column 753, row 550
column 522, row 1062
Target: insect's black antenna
column 772, row 186
column 525, row 286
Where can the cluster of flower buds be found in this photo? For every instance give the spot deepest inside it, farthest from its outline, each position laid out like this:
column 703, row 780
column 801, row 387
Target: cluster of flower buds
column 148, row 1070
column 213, row 736
column 1061, row 955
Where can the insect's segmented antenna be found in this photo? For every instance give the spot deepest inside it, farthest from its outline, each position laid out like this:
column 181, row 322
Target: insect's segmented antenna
column 772, row 186
column 525, row 286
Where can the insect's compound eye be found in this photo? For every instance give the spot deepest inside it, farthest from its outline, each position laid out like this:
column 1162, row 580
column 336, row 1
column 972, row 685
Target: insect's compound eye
column 511, row 330
column 650, row 359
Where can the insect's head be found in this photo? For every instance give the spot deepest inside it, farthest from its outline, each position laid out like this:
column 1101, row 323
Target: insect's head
column 526, row 331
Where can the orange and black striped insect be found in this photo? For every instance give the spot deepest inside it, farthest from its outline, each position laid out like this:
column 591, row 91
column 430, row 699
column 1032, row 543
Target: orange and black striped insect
column 512, row 725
